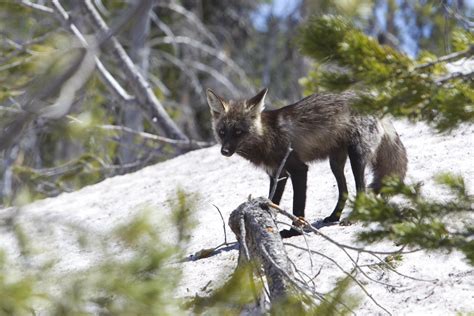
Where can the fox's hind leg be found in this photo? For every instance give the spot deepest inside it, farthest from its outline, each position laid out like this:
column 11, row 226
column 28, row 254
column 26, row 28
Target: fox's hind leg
column 358, row 164
column 337, row 161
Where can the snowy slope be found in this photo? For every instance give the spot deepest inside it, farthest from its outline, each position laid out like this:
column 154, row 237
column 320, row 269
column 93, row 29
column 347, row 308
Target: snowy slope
column 227, row 182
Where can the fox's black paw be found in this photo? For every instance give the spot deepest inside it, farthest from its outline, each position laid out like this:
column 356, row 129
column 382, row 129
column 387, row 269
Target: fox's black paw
column 287, row 233
column 331, row 219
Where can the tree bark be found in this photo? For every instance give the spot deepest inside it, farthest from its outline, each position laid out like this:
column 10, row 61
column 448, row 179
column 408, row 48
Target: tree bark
column 257, row 233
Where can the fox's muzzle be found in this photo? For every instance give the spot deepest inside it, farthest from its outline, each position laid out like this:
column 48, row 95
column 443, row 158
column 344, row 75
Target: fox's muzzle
column 226, row 151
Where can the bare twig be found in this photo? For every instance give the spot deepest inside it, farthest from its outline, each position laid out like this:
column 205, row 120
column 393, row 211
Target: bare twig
column 191, row 17
column 223, row 224
column 164, row 27
column 303, row 288
column 106, row 76
column 276, row 177
column 216, row 74
column 185, row 144
column 401, row 274
column 185, row 40
column 36, row 6
column 186, row 70
column 362, row 287
column 318, row 232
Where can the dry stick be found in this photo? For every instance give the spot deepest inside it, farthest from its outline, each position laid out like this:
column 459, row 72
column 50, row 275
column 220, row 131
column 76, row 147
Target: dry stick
column 243, row 235
column 220, row 55
column 36, row 6
column 303, row 287
column 346, row 273
column 190, row 16
column 223, row 223
column 357, row 267
column 303, row 274
column 309, row 253
column 277, row 175
column 371, row 252
column 145, row 95
column 187, row 144
column 318, row 232
column 107, row 77
column 401, row 274
column 198, row 88
column 332, row 241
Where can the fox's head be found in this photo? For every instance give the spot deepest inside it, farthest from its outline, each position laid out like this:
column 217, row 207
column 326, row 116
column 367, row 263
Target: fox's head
column 234, row 121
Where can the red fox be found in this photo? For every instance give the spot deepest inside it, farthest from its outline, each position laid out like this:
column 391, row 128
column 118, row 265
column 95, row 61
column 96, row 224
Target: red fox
column 317, row 127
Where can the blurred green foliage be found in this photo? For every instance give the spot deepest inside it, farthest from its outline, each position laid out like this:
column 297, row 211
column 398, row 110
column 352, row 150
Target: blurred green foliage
column 139, row 279
column 135, row 272
column 389, row 82
column 437, row 224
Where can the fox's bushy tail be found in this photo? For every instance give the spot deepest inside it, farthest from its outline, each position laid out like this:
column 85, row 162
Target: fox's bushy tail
column 390, row 158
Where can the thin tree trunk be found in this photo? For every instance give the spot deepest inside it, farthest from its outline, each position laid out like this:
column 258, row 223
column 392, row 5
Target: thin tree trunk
column 139, row 53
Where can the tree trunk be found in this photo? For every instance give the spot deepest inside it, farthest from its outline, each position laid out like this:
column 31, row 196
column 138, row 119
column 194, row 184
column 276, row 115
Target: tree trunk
column 139, row 53
column 257, row 233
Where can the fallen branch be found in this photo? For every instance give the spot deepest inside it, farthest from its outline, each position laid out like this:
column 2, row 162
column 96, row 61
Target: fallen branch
column 253, row 224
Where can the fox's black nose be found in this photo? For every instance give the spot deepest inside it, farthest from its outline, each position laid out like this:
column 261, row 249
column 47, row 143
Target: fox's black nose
column 226, row 152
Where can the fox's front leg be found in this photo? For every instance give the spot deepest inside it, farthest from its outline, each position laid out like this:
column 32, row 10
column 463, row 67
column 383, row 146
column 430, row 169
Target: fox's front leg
column 298, row 180
column 298, row 171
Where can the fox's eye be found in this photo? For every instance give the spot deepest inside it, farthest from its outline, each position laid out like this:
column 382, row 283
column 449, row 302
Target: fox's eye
column 221, row 132
column 238, row 132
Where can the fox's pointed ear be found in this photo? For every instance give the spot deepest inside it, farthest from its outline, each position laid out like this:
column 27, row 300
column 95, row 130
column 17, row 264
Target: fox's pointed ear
column 216, row 103
column 257, row 103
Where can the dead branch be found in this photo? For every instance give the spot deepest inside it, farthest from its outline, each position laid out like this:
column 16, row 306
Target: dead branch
column 184, row 144
column 185, row 40
column 252, row 222
column 192, row 18
column 36, row 6
column 107, row 78
column 146, row 98
column 277, row 174
column 223, row 223
column 185, row 69
column 313, row 229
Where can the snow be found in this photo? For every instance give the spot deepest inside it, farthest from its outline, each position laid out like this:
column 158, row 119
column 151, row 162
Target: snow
column 226, row 183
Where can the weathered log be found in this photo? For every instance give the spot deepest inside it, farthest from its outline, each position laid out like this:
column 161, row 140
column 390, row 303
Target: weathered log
column 257, row 233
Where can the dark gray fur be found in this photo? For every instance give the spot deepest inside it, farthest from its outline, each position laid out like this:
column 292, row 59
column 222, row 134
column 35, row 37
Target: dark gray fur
column 318, row 127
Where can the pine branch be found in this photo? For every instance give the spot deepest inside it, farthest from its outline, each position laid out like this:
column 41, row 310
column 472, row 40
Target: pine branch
column 454, row 56
column 455, row 75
